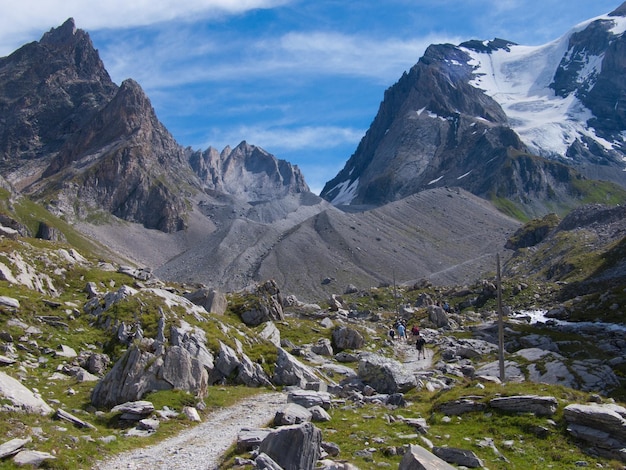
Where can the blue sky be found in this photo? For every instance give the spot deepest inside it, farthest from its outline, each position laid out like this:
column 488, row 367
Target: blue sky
column 301, row 78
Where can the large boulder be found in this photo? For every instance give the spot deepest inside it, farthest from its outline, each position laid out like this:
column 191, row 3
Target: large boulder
column 21, row 398
column 140, row 371
column 295, row 447
column 347, row 338
column 539, row 405
column 438, row 316
column 385, row 375
column 418, row 458
column 193, row 340
column 212, row 300
column 268, row 306
column 603, row 426
column 462, row 457
column 289, row 371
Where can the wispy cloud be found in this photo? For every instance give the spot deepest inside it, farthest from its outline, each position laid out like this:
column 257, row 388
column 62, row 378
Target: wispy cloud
column 23, row 20
column 208, row 58
column 283, row 138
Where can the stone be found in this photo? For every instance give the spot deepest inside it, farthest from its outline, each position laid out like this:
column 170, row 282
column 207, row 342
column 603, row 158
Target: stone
column 148, row 424
column 294, row 447
column 65, row 351
column 385, row 375
column 539, row 405
column 212, row 300
column 192, row 414
column 12, row 447
column 438, row 316
column 323, row 347
column 289, row 371
column 271, row 333
column 319, row 414
column 140, row 408
column 21, row 397
column 347, row 338
column 461, row 406
column 292, row 413
column 138, row 372
column 418, row 458
column 33, row 458
column 462, row 457
column 9, row 302
column 70, row 418
column 250, row 438
column 265, row 462
column 268, row 307
column 310, row 398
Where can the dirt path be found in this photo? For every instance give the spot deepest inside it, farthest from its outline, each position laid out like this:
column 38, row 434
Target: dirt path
column 201, row 447
column 407, row 354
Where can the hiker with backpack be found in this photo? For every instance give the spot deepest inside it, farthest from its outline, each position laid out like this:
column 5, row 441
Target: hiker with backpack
column 419, row 344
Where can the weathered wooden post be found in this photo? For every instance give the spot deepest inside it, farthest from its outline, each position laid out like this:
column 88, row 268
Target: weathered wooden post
column 500, row 322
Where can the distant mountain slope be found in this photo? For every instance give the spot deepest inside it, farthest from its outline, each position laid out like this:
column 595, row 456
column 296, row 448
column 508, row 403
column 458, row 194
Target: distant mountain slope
column 460, row 115
column 443, row 235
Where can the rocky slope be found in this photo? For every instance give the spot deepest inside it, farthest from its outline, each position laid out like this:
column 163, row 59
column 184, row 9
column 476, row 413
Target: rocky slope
column 87, row 148
column 481, row 116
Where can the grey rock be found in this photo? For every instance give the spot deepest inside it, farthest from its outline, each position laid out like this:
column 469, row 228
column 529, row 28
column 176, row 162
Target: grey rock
column 269, row 305
column 13, row 446
column 148, row 424
column 385, row 375
column 33, row 458
column 21, row 397
column 265, row 462
column 294, row 447
column 438, row 316
column 539, row 405
column 65, row 351
column 461, row 406
column 289, row 371
column 271, row 333
column 249, row 438
column 9, row 302
column 138, row 372
column 252, row 374
column 418, row 458
column 310, row 398
column 347, row 338
column 139, row 408
column 319, row 414
column 292, row 413
column 323, row 347
column 192, row 414
column 70, row 418
column 465, row 458
column 212, row 300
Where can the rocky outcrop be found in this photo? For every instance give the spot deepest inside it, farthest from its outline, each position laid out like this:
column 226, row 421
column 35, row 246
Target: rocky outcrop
column 247, row 172
column 20, row 397
column 141, row 370
column 294, row 447
column 385, row 375
column 601, row 426
column 268, row 305
column 418, row 458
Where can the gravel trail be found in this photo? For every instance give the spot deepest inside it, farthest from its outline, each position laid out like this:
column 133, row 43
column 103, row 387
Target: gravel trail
column 201, row 447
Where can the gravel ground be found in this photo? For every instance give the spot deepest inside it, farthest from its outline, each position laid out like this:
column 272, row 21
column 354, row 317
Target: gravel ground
column 201, row 447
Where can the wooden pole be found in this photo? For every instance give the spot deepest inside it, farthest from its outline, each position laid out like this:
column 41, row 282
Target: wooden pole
column 500, row 322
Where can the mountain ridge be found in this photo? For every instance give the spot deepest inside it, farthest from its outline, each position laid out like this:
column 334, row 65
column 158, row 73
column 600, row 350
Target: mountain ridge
column 430, row 125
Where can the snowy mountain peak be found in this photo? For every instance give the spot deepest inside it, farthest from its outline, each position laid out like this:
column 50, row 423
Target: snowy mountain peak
column 462, row 111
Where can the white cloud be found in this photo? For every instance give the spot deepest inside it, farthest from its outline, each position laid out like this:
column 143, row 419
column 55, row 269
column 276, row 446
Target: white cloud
column 158, row 64
column 26, row 20
column 280, row 139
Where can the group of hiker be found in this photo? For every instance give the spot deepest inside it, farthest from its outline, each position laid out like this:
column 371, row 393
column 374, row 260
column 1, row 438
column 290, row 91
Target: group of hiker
column 400, row 329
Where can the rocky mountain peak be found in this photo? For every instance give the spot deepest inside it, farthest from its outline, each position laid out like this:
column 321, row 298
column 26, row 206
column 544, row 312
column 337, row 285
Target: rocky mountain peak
column 62, row 35
column 248, row 172
column 619, row 11
column 464, row 114
column 50, row 89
